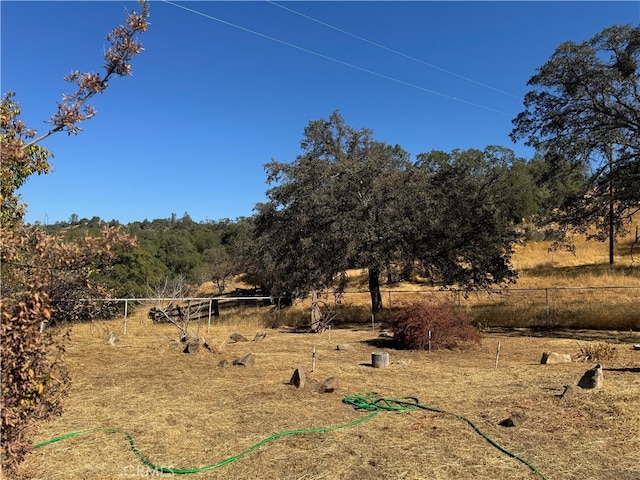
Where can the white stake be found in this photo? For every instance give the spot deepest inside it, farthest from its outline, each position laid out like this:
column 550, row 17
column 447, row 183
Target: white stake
column 497, row 354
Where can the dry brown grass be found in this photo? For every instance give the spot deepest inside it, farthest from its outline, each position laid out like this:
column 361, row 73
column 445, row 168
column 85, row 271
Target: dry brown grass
column 185, row 412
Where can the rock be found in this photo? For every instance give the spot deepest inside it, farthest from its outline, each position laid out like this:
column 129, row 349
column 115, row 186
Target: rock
column 592, row 378
column 111, row 339
column 514, row 420
column 259, row 336
column 223, row 363
column 330, row 385
column 299, row 378
column 344, row 348
column 553, row 357
column 191, row 347
column 248, row 360
column 236, row 337
column 386, row 334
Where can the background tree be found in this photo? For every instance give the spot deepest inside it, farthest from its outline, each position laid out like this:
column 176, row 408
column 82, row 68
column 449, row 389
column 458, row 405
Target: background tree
column 558, row 184
column 33, row 379
column 585, row 107
column 477, row 199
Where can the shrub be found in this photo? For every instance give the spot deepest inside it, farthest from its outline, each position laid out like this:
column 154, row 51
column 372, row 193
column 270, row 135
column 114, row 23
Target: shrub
column 33, row 378
column 596, row 352
column 449, row 327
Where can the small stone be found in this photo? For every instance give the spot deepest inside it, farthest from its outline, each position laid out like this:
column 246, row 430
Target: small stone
column 236, row 337
column 344, row 348
column 553, row 357
column 111, row 339
column 514, row 420
column 191, row 347
column 248, row 360
column 299, row 378
column 223, row 363
column 330, row 385
column 592, row 378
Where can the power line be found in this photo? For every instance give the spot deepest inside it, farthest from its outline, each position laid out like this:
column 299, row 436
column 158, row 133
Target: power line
column 341, row 62
column 430, row 65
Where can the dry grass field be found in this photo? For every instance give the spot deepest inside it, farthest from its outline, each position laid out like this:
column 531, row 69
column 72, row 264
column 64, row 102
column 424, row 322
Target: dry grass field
column 185, row 412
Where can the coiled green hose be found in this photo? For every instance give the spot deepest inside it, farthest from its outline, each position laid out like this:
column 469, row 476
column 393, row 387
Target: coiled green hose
column 372, row 402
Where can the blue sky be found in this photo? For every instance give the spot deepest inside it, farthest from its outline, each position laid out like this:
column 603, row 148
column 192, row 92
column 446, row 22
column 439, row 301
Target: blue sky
column 210, row 103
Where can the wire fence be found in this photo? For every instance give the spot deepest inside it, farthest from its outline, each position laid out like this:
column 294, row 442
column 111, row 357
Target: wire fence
column 604, row 307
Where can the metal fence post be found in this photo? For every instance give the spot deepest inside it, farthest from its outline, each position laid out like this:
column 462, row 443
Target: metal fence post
column 548, row 311
column 126, row 306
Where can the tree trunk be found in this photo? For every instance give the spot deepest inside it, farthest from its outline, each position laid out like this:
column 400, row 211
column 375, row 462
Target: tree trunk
column 611, row 230
column 374, row 290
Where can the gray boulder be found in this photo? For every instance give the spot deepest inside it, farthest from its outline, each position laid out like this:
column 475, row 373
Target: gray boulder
column 592, row 378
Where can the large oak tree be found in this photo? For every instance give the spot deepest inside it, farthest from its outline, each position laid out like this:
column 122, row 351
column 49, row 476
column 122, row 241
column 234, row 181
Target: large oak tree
column 585, row 106
column 349, row 201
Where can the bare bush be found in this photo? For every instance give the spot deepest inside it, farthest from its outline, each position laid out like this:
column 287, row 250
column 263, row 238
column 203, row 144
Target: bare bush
column 596, row 352
column 432, row 323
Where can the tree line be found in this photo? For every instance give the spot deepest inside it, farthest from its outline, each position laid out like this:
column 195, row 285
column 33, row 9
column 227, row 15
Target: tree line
column 349, row 202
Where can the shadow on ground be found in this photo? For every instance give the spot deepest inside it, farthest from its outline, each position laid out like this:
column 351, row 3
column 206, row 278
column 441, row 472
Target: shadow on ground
column 584, row 335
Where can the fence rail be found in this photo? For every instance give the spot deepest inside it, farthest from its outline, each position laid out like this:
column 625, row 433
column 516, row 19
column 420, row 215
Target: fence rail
column 536, row 307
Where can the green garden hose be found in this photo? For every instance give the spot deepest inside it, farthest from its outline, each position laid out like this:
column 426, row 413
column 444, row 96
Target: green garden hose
column 372, row 402
column 376, row 403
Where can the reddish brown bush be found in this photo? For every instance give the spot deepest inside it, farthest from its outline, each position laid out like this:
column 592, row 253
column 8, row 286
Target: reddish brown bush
column 449, row 327
column 33, row 378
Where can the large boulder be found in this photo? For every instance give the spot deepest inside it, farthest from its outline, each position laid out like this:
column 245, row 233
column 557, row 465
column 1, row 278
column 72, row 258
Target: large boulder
column 248, row 360
column 330, row 385
column 236, row 337
column 553, row 357
column 592, row 378
column 299, row 378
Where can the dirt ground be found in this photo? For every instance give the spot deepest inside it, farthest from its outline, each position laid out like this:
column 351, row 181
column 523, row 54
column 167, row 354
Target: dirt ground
column 183, row 411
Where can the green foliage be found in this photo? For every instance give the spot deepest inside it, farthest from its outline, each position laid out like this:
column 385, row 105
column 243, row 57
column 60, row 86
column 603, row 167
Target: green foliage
column 433, row 324
column 166, row 249
column 346, row 201
column 349, row 201
column 469, row 231
column 18, row 162
column 338, row 205
column 558, row 183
